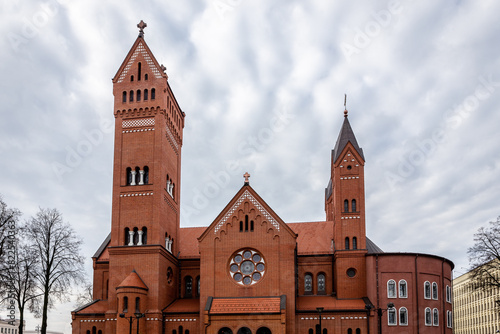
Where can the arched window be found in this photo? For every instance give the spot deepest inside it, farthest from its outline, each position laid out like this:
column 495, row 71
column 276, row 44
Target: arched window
column 99, row 331
column 346, row 206
column 246, row 223
column 124, row 96
column 354, row 243
column 311, row 331
column 263, row 330
column 244, row 330
column 180, row 330
column 349, row 331
column 224, row 330
column 144, row 235
column 434, row 290
column 146, row 76
column 139, row 68
column 427, row 290
column 125, row 304
column 136, row 236
column 403, row 316
column 403, row 289
column 94, row 330
column 325, row 331
column 308, row 281
column 435, row 317
column 137, row 305
column 188, row 280
column 153, row 93
column 131, row 78
column 131, row 97
column 198, row 286
column 391, row 317
column 428, row 320
column 346, row 242
column 174, row 331
column 391, row 289
column 358, row 331
column 146, row 92
column 241, row 226
column 321, row 284
column 449, row 321
column 128, row 173
column 127, row 236
column 448, row 294
column 88, row 331
column 251, row 225
column 353, row 205
column 146, row 175
column 186, row 331
column 138, row 95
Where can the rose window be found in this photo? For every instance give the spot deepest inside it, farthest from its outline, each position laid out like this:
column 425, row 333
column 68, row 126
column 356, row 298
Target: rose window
column 247, row 267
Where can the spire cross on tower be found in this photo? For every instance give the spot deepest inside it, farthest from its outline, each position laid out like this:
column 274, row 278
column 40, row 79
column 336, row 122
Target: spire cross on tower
column 246, row 176
column 345, row 105
column 141, row 25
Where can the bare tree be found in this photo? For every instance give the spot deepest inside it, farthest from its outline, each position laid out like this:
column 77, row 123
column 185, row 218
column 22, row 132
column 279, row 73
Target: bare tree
column 57, row 249
column 484, row 257
column 85, row 296
column 19, row 281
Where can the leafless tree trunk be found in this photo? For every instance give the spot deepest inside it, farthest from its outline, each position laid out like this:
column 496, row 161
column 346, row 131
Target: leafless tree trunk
column 484, row 257
column 57, row 249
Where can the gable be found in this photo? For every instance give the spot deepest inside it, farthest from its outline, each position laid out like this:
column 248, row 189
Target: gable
column 247, row 200
column 139, row 50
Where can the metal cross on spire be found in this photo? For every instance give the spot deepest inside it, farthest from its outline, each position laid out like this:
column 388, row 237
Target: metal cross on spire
column 141, row 25
column 345, row 105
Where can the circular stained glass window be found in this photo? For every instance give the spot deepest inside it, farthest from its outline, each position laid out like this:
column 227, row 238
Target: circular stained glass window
column 246, row 267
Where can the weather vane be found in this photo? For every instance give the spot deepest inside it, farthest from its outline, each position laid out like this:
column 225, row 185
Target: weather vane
column 345, row 105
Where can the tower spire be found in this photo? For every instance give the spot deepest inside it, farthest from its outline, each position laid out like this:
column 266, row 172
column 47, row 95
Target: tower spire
column 345, row 105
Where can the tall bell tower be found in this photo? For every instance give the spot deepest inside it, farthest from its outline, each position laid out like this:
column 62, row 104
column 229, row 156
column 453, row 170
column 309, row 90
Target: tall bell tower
column 345, row 206
column 146, row 180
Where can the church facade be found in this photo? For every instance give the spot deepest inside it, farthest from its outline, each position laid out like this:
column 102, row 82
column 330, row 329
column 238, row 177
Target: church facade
column 248, row 272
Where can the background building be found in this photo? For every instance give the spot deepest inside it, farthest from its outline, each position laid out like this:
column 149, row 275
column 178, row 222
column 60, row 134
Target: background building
column 475, row 311
column 248, row 271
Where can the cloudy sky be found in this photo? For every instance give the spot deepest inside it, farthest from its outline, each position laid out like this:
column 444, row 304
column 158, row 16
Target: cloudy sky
column 423, row 92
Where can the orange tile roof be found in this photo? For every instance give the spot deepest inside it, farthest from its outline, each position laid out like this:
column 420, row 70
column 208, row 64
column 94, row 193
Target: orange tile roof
column 245, row 305
column 188, row 246
column 133, row 280
column 310, row 303
column 314, row 237
column 184, row 306
column 96, row 307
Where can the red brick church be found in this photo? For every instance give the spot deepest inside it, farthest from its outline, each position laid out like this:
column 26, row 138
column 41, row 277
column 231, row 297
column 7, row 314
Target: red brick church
column 248, row 271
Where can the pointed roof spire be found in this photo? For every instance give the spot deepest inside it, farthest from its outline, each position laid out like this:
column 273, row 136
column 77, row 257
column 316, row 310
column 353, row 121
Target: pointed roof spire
column 346, row 135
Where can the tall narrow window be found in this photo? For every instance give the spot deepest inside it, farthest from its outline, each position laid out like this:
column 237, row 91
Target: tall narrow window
column 391, row 289
column 435, row 317
column 311, row 331
column 349, row 331
column 145, row 94
column 139, row 68
column 94, row 330
column 308, row 284
column 391, row 316
column 241, row 226
column 346, row 206
column 251, row 226
column 449, row 321
column 137, row 305
column 125, row 304
column 131, row 98
column 448, row 294
column 144, row 235
column 128, row 172
column 136, row 236
column 354, row 243
column 146, row 76
column 124, row 96
column 153, row 94
column 358, row 331
column 189, row 286
column 137, row 175
column 403, row 316
column 428, row 318
column 198, row 286
column 127, row 235
column 131, row 78
column 138, row 95
column 434, row 290
column 146, row 175
column 403, row 290
column 427, row 290
column 321, row 284
column 353, row 205
column 246, row 223
column 347, row 243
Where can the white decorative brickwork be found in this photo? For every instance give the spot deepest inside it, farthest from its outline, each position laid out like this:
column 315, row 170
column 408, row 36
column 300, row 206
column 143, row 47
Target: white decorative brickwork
column 171, row 138
column 140, row 50
column 136, row 194
column 137, row 123
column 246, row 195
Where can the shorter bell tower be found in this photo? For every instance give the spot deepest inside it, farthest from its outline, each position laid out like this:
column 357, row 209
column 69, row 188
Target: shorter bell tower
column 345, row 206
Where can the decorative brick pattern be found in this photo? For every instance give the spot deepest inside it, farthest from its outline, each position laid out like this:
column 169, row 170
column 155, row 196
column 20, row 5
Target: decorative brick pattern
column 171, row 139
column 136, row 194
column 245, row 305
column 244, row 196
column 140, row 50
column 137, row 123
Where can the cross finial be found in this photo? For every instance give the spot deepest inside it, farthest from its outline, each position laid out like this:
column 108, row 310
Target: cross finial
column 141, row 25
column 246, row 176
column 345, row 105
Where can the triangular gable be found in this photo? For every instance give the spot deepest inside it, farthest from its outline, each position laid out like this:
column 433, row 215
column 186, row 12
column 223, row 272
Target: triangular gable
column 247, row 193
column 349, row 155
column 139, row 48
